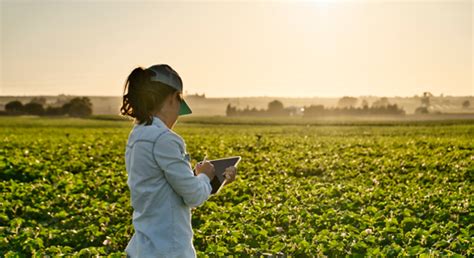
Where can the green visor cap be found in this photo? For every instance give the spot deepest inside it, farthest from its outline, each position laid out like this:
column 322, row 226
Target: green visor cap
column 184, row 108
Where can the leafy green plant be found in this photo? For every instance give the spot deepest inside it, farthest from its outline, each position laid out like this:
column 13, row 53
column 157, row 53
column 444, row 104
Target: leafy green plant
column 301, row 191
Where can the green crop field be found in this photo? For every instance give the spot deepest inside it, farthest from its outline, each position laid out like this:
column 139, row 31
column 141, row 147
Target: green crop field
column 358, row 190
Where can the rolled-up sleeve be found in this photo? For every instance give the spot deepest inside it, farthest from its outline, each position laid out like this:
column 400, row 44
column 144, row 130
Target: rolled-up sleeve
column 194, row 190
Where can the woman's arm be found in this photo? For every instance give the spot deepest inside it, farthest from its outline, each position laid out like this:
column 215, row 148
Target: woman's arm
column 168, row 154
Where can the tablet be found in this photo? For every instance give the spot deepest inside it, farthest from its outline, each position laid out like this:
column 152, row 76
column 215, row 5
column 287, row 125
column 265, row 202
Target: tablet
column 220, row 165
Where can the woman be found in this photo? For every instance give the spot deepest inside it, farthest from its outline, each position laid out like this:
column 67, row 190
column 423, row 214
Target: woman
column 162, row 184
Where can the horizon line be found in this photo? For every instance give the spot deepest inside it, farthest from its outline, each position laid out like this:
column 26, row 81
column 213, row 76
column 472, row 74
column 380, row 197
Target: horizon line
column 235, row 97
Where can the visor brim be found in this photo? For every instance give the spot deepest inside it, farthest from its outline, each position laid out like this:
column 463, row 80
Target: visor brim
column 184, row 108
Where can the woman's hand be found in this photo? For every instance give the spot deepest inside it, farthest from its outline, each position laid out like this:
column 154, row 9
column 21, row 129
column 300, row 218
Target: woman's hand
column 229, row 174
column 207, row 168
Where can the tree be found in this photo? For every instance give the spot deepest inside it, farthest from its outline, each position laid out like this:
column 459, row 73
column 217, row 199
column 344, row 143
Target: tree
column 365, row 104
column 395, row 110
column 275, row 105
column 347, row 102
column 54, row 111
column 78, row 107
column 34, row 109
column 14, row 107
column 230, row 110
column 39, row 100
column 382, row 102
column 276, row 108
column 421, row 110
column 313, row 110
column 466, row 104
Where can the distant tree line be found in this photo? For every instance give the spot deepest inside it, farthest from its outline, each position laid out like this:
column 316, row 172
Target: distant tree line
column 320, row 110
column 346, row 106
column 76, row 107
column 275, row 108
column 427, row 108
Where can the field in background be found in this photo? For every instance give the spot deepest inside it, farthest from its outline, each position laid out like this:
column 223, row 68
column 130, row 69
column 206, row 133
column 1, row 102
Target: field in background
column 330, row 120
column 369, row 188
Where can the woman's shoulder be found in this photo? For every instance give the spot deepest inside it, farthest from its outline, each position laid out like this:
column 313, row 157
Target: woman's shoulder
column 149, row 133
column 170, row 135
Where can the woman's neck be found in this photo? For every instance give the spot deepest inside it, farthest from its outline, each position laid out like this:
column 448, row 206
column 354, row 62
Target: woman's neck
column 165, row 119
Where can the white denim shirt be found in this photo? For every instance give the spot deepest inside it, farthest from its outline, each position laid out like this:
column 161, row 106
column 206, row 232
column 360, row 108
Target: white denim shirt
column 163, row 190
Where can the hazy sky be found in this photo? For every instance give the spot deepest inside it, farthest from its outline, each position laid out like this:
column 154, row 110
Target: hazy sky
column 235, row 48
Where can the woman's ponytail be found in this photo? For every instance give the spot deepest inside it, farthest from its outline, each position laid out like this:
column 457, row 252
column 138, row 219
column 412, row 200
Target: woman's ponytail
column 132, row 105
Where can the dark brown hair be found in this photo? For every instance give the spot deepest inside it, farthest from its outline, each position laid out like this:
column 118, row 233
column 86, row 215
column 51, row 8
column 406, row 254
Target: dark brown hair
column 143, row 96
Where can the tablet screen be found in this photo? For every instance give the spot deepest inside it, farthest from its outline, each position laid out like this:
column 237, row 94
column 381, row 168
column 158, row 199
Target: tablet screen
column 220, row 165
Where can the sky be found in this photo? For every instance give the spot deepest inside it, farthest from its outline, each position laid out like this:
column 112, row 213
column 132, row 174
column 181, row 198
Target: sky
column 235, row 49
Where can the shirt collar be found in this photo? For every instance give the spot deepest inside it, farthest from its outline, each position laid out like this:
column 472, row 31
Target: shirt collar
column 157, row 121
